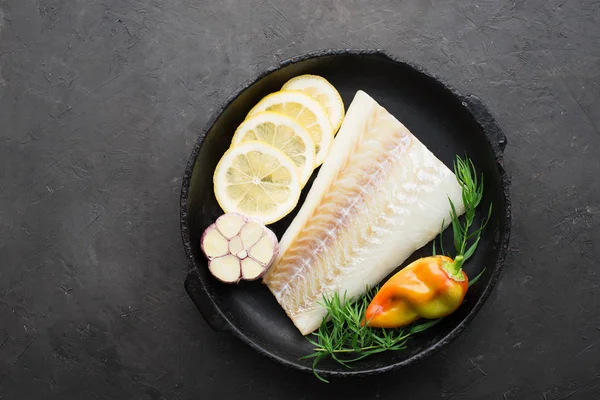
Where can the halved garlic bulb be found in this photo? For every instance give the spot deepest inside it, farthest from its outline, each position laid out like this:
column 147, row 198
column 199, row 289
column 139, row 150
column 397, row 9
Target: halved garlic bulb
column 238, row 247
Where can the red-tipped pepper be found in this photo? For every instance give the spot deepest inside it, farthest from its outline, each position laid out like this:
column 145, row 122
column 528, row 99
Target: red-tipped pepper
column 430, row 288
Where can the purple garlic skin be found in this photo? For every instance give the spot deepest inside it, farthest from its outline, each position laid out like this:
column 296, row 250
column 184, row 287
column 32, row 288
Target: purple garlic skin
column 238, row 248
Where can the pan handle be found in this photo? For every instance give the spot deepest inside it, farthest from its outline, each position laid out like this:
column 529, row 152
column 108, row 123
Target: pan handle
column 487, row 122
column 204, row 302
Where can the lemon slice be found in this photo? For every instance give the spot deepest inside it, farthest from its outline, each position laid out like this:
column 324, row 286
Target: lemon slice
column 257, row 180
column 324, row 92
column 283, row 133
column 308, row 112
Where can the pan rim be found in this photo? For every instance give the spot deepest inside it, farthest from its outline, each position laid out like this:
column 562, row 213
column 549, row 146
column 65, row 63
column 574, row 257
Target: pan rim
column 503, row 241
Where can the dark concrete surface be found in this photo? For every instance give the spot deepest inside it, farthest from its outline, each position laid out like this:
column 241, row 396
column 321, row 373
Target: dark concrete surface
column 100, row 102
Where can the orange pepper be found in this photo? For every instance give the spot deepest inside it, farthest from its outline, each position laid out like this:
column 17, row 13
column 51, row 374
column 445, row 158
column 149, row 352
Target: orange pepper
column 430, row 288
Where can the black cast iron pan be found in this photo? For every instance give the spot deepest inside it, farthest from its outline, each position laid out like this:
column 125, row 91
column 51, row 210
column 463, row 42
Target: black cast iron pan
column 447, row 122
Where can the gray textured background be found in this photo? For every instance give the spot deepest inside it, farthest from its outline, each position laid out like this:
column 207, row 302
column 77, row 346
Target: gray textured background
column 100, row 104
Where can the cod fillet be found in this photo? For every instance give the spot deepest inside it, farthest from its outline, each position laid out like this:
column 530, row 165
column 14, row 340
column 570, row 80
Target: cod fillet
column 379, row 196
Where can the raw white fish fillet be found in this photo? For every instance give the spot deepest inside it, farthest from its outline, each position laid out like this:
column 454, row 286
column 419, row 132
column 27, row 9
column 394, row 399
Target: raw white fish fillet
column 379, row 196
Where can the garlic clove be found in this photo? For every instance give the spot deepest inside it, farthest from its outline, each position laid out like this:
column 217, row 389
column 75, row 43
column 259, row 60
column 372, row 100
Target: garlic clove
column 230, row 224
column 251, row 233
column 251, row 269
column 226, row 268
column 235, row 245
column 263, row 251
column 213, row 243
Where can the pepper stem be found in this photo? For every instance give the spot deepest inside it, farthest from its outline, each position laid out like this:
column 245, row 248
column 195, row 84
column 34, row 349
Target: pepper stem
column 454, row 268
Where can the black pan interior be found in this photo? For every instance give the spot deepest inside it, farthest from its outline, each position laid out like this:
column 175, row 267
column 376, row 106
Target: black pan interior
column 435, row 114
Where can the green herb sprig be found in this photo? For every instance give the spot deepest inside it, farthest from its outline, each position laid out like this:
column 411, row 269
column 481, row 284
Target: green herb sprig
column 344, row 338
column 472, row 194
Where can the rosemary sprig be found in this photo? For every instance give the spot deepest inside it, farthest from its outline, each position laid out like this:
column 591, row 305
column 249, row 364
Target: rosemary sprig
column 342, row 335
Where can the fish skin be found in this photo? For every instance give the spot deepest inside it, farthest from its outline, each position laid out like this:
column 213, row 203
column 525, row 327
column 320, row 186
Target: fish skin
column 379, row 196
